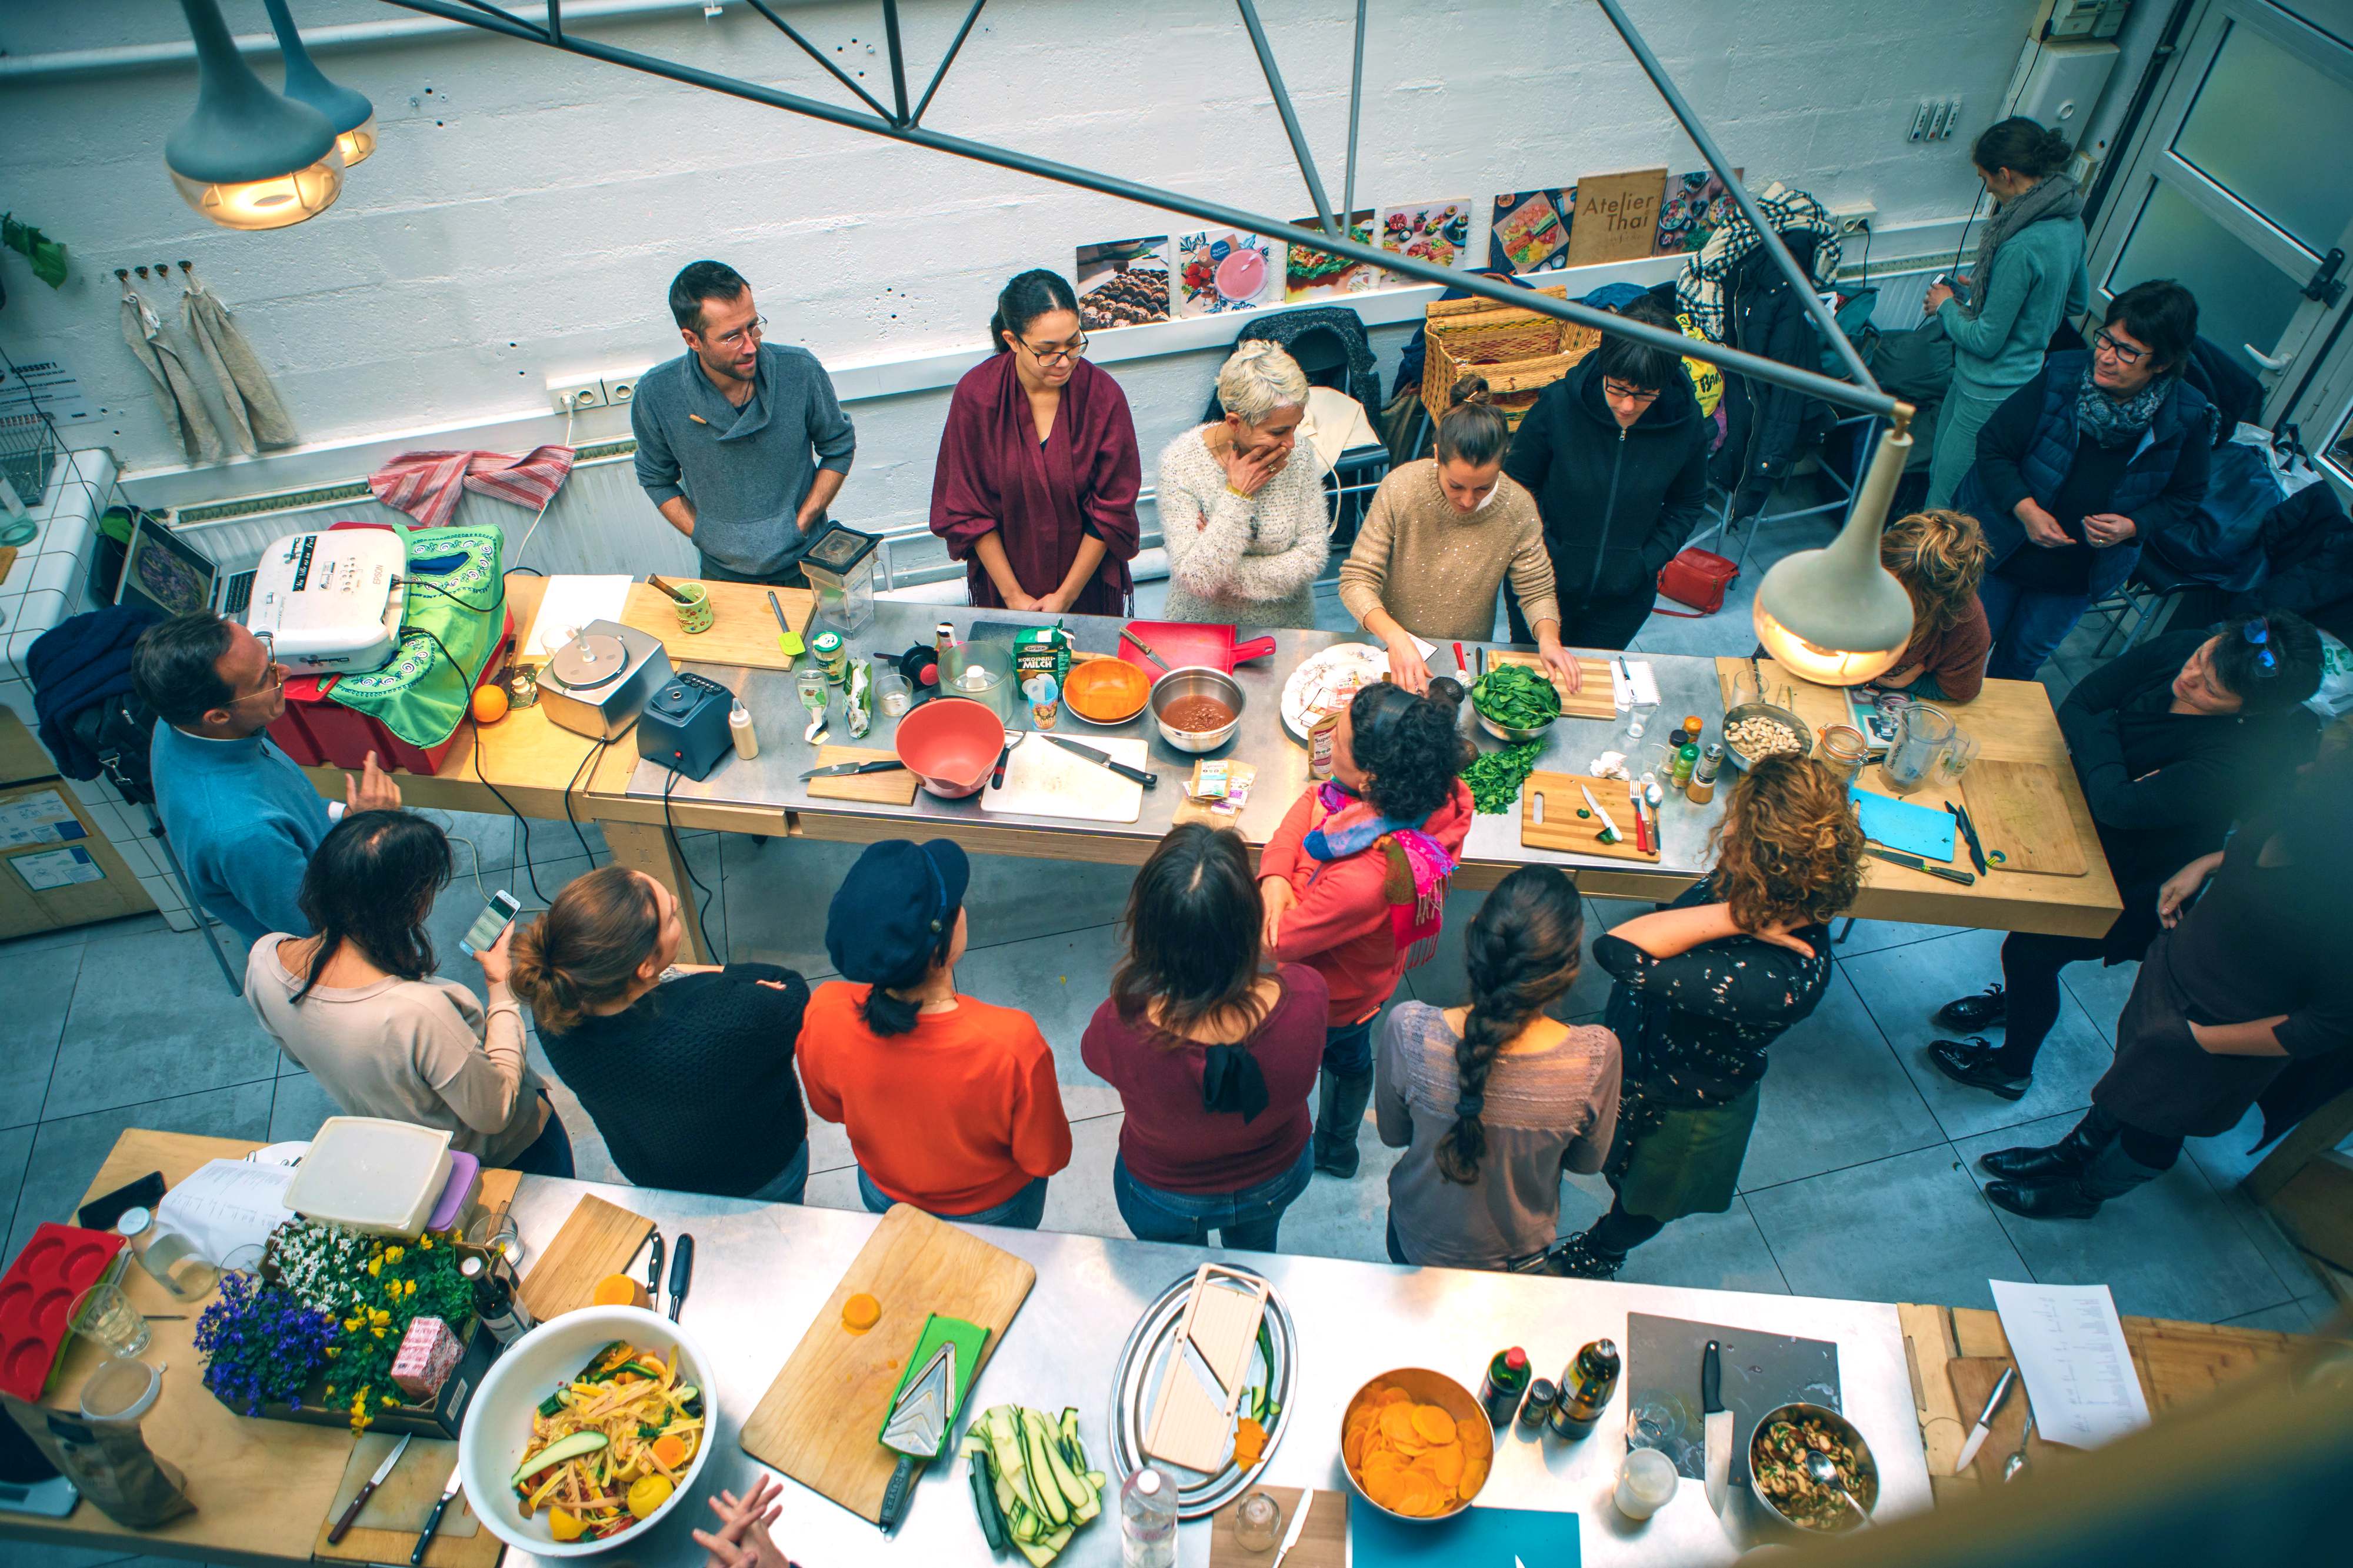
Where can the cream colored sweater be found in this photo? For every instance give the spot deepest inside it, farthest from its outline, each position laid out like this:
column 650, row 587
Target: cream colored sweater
column 1438, row 570
column 1249, row 560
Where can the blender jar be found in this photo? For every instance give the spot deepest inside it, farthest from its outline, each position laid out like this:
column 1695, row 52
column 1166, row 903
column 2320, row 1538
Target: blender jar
column 841, row 568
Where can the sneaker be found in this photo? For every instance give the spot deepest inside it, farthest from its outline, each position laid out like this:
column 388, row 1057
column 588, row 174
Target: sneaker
column 1972, row 1062
column 1970, row 1014
column 1579, row 1259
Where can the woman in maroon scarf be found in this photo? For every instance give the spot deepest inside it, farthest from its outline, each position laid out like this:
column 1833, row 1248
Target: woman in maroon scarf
column 1035, row 491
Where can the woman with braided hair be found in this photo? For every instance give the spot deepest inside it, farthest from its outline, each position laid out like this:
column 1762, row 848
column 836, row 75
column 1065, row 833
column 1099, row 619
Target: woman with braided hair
column 1491, row 1100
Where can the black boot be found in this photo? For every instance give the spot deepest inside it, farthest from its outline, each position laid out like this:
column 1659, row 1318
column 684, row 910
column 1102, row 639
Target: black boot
column 2061, row 1161
column 1970, row 1014
column 2110, row 1174
column 1975, row 1062
column 1340, row 1103
column 1578, row 1259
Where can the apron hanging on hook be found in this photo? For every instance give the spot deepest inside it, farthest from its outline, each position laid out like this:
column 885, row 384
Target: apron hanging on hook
column 175, row 391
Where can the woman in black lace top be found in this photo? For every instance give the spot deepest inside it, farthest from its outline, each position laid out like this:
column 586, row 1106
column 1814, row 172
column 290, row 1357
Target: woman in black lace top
column 1704, row 984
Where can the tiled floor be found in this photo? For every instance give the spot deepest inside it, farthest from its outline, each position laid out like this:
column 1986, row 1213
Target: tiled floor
column 1859, row 1182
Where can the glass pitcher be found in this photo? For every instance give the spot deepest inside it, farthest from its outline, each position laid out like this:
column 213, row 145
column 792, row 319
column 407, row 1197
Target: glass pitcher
column 1926, row 742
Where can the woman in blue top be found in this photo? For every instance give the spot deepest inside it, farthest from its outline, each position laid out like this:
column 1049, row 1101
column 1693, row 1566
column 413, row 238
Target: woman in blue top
column 2028, row 277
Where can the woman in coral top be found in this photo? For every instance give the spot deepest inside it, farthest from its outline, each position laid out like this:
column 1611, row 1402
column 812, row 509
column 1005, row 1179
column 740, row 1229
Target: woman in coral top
column 1354, row 880
column 949, row 1103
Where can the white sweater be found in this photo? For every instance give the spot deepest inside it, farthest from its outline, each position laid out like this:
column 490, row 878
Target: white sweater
column 1248, row 560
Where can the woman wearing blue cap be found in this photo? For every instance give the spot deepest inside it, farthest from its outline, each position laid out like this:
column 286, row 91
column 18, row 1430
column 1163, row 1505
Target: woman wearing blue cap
column 949, row 1103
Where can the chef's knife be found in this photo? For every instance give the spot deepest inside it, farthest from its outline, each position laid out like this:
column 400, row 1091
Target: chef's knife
column 836, row 770
column 383, row 1474
column 1977, row 1433
column 1914, row 862
column 433, row 1519
column 1298, row 1512
column 653, row 1273
column 1969, row 831
column 1718, row 1423
column 682, row 1273
column 1146, row 647
column 1105, row 760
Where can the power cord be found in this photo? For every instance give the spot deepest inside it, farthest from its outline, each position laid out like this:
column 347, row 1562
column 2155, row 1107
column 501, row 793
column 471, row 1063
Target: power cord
column 522, row 824
column 670, row 827
column 587, row 765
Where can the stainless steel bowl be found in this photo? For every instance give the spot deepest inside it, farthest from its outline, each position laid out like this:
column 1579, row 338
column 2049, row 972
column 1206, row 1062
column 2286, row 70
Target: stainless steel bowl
column 1506, row 733
column 1863, row 1486
column 1427, row 1387
column 1772, row 710
column 1196, row 680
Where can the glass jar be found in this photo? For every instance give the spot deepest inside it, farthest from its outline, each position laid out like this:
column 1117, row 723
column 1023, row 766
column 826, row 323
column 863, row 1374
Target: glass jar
column 172, row 1257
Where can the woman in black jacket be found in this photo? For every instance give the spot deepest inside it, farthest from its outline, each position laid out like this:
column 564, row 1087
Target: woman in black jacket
column 2172, row 743
column 1615, row 455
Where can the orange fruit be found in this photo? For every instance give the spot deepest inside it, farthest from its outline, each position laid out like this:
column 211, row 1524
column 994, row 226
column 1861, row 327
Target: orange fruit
column 671, row 1451
column 489, row 703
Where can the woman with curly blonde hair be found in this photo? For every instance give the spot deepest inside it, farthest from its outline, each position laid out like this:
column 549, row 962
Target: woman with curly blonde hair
column 1704, row 985
column 1940, row 558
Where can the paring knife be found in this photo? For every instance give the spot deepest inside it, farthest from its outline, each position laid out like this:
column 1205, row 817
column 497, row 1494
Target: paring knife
column 879, row 766
column 1298, row 1512
column 1146, row 647
column 1600, row 816
column 1969, row 831
column 1105, row 760
column 682, row 1273
column 1914, row 862
column 383, row 1474
column 653, row 1273
column 433, row 1519
column 1717, row 1421
column 1977, row 1433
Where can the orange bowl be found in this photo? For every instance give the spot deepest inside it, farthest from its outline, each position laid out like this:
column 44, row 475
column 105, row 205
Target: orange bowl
column 1106, row 691
column 951, row 744
column 1411, row 1445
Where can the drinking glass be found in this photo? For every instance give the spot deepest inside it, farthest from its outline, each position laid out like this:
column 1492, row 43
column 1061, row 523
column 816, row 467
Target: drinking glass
column 106, row 1315
column 497, row 1233
column 1258, row 1521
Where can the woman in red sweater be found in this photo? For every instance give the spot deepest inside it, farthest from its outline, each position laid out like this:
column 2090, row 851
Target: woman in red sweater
column 951, row 1104
column 1213, row 1057
column 1354, row 880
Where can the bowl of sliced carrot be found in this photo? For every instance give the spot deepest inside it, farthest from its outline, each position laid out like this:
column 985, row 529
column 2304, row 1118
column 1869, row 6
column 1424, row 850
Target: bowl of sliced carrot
column 1415, row 1445
column 587, row 1431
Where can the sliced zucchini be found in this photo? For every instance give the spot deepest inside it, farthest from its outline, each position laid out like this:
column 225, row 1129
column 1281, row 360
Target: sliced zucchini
column 559, row 1452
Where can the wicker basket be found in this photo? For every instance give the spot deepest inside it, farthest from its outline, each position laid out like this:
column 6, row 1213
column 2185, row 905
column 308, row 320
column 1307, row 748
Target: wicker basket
column 1519, row 351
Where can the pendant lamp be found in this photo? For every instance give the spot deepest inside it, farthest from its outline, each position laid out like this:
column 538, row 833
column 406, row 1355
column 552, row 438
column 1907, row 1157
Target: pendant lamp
column 1836, row 617
column 248, row 158
column 352, row 115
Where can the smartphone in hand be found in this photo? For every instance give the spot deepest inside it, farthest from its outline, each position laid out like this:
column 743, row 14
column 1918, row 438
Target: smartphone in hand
column 495, row 918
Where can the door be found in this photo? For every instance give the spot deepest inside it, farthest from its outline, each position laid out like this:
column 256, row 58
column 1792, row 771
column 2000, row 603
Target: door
column 2241, row 185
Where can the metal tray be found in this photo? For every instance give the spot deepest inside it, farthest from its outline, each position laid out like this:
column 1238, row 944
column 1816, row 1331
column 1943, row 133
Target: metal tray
column 1138, row 1375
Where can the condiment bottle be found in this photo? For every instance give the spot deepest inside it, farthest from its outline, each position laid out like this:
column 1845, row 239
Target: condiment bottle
column 1701, row 788
column 1585, row 1388
column 1686, row 762
column 1323, row 735
column 1692, row 729
column 494, row 1303
column 832, row 652
column 740, row 730
column 1537, row 1409
column 1507, row 1379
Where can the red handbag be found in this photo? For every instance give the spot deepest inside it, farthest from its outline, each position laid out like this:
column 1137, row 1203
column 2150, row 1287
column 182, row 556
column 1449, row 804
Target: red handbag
column 1698, row 578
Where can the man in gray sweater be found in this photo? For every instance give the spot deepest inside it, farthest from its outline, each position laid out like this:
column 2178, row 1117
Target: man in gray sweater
column 741, row 443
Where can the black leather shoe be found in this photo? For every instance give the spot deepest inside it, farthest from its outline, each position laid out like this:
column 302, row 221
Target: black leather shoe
column 1579, row 1259
column 1971, row 1061
column 1970, row 1014
column 2062, row 1161
column 2062, row 1199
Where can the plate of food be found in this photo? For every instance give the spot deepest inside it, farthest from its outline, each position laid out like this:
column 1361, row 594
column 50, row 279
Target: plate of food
column 1327, row 680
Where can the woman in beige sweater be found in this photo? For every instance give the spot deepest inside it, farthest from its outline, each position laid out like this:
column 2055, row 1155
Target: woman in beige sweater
column 1242, row 501
column 1439, row 539
column 359, row 1006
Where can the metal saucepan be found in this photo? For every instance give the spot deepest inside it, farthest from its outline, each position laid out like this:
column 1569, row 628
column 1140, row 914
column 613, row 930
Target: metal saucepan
column 1196, row 680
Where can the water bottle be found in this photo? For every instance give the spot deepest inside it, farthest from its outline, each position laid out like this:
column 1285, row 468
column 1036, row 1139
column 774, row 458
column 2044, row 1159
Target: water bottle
column 1147, row 1520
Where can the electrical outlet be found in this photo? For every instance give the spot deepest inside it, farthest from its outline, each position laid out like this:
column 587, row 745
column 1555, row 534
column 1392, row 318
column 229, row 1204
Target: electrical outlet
column 1854, row 217
column 619, row 390
column 1936, row 119
column 570, row 397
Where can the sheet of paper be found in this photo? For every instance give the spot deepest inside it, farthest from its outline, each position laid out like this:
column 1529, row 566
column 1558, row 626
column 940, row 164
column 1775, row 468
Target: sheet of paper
column 38, row 818
column 2069, row 1348
column 1633, row 683
column 226, row 1203
column 51, row 869
column 571, row 602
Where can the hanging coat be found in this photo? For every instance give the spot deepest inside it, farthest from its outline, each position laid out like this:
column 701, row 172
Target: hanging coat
column 175, row 390
column 256, row 416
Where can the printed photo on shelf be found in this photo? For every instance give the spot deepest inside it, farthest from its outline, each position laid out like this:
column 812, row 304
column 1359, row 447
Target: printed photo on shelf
column 1313, row 274
column 1530, row 230
column 1697, row 205
column 1436, row 232
column 1223, row 269
column 1123, row 282
column 1617, row 217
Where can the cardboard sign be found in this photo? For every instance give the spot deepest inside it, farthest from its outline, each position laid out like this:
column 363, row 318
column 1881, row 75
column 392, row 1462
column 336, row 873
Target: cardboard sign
column 1617, row 217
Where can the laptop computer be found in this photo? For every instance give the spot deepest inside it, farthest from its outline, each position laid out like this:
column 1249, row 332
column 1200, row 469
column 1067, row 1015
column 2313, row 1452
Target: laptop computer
column 165, row 571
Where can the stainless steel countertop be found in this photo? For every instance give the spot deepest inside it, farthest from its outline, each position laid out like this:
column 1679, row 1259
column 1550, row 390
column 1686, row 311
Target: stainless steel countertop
column 772, row 780
column 764, row 1272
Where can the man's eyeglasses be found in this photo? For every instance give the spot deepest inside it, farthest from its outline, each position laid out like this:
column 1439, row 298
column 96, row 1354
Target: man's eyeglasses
column 742, row 335
column 2258, row 632
column 1057, row 356
column 2125, row 355
column 273, row 674
column 1625, row 393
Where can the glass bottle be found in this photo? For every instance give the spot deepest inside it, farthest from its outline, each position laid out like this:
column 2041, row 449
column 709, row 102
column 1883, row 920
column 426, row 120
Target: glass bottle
column 171, row 1257
column 1585, row 1389
column 494, row 1303
column 1507, row 1379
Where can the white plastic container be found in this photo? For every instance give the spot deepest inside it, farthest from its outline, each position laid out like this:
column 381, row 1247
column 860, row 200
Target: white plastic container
column 373, row 1175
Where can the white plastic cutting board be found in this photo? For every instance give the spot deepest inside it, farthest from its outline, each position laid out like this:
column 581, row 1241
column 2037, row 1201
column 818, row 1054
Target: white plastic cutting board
column 1043, row 780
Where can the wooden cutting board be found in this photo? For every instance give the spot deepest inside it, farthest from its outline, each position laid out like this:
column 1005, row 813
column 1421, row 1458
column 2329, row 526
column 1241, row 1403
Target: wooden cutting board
column 818, row 1421
column 1591, row 700
column 743, row 628
column 597, row 1238
column 896, row 788
column 1322, row 1544
column 1041, row 779
column 1564, row 830
column 1973, row 1379
column 388, row 1526
column 2020, row 810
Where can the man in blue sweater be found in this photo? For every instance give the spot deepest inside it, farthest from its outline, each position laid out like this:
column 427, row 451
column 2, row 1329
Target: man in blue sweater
column 241, row 817
column 741, row 443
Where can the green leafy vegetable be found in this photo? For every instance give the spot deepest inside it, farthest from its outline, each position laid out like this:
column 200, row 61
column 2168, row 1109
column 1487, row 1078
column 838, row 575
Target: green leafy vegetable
column 1516, row 697
column 1495, row 777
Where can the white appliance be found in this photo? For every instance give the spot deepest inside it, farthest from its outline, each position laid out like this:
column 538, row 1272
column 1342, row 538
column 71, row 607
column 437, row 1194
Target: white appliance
column 330, row 601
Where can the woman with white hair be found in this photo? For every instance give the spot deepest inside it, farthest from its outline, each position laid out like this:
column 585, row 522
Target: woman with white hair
column 1242, row 501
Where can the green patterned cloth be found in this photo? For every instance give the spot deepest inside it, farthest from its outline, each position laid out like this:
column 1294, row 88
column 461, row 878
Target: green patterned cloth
column 416, row 694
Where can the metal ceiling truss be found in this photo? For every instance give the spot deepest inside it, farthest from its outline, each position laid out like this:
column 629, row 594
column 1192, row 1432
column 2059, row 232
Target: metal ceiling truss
column 899, row 123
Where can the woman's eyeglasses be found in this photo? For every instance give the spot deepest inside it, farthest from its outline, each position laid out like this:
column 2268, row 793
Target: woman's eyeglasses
column 2125, row 355
column 1057, row 355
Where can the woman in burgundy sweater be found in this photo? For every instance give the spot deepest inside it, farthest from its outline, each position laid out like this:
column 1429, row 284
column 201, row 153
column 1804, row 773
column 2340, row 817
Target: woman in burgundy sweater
column 1214, row 1057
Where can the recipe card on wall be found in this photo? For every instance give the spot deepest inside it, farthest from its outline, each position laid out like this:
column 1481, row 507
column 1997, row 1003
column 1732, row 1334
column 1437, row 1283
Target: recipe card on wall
column 1617, row 217
column 1224, row 269
column 1436, row 232
column 1123, row 282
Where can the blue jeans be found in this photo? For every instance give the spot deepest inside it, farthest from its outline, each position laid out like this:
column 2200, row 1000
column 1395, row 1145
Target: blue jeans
column 1022, row 1211
column 550, row 1154
column 1348, row 1048
column 790, row 1184
column 2028, row 625
column 1245, row 1221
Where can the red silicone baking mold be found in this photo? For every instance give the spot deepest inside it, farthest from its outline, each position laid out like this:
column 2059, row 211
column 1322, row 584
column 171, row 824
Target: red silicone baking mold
column 58, row 1264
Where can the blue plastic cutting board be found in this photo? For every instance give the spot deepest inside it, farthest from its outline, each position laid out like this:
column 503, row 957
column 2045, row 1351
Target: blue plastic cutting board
column 1479, row 1537
column 1921, row 830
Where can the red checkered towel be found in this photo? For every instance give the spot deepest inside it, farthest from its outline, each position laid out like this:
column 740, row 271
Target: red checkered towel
column 426, row 485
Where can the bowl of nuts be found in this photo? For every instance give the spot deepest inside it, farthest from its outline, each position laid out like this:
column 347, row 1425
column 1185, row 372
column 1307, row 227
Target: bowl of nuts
column 1755, row 730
